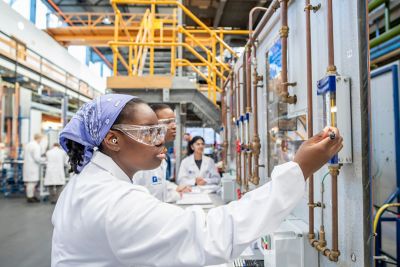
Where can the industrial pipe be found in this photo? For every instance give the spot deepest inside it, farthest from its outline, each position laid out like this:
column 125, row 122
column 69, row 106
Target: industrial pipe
column 311, row 205
column 257, row 8
column 385, row 36
column 264, row 20
column 243, row 143
column 334, row 255
column 375, row 4
column 256, row 144
column 224, row 120
column 238, row 141
column 248, row 112
column 331, row 55
column 284, row 32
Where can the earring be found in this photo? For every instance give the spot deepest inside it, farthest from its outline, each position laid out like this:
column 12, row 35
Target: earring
column 114, row 140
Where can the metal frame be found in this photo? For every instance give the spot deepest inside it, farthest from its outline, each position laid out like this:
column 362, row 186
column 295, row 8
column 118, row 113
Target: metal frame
column 145, row 41
column 396, row 194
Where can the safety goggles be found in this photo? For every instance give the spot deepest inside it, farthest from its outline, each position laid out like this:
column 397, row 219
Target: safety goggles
column 152, row 135
column 168, row 122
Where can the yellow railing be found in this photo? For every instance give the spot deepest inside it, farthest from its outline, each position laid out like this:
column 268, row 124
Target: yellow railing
column 152, row 25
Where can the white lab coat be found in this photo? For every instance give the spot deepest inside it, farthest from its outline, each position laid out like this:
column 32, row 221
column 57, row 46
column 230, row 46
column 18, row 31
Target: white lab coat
column 188, row 171
column 32, row 161
column 102, row 220
column 156, row 183
column 55, row 172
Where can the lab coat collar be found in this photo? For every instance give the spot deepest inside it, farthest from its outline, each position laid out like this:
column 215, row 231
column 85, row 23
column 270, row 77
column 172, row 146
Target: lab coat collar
column 106, row 163
column 202, row 162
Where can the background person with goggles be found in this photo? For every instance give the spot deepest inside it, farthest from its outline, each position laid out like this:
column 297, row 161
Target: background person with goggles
column 101, row 219
column 155, row 180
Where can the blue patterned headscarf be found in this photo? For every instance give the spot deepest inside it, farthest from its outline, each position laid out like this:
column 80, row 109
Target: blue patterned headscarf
column 92, row 122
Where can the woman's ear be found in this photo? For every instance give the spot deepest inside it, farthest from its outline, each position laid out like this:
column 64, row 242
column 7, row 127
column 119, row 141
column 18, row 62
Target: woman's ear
column 111, row 141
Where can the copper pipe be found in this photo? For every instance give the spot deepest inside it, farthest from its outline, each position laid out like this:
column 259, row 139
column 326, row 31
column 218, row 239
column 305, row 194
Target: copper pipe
column 264, row 20
column 311, row 205
column 256, row 145
column 284, row 32
column 244, row 145
column 248, row 79
column 334, row 170
column 331, row 55
column 224, row 121
column 249, row 111
column 251, row 14
column 238, row 151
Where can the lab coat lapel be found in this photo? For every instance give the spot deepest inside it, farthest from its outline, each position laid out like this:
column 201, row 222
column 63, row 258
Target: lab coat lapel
column 194, row 168
column 204, row 167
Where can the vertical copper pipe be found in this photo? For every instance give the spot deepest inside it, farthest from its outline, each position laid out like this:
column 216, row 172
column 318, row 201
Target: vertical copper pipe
column 238, row 152
column 248, row 110
column 334, row 253
column 284, row 33
column 248, row 79
column 334, row 170
column 245, row 177
column 311, row 234
column 331, row 55
column 335, row 246
column 256, row 144
column 224, row 120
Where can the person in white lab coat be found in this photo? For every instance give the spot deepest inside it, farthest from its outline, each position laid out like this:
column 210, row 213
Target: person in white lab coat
column 54, row 178
column 102, row 220
column 155, row 180
column 196, row 168
column 31, row 168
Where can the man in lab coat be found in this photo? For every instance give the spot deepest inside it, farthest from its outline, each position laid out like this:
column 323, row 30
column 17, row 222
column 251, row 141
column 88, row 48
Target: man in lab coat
column 155, row 180
column 31, row 169
column 55, row 173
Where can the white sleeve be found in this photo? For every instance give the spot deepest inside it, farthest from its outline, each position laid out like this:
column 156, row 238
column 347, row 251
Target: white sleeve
column 183, row 175
column 214, row 178
column 142, row 231
column 36, row 155
column 172, row 194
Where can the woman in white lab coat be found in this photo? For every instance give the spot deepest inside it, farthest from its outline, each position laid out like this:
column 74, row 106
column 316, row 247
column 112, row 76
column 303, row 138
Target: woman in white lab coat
column 196, row 168
column 54, row 178
column 101, row 219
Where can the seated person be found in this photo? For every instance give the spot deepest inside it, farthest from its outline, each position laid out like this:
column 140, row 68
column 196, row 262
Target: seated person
column 196, row 168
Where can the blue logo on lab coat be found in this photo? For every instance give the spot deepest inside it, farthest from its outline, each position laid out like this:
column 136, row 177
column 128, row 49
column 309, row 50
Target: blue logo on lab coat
column 154, row 180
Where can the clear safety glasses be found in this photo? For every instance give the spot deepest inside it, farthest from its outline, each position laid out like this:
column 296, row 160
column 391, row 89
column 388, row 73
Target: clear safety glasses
column 170, row 123
column 149, row 135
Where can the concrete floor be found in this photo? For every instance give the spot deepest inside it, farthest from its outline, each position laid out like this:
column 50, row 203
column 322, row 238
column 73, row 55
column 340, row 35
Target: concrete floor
column 25, row 233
